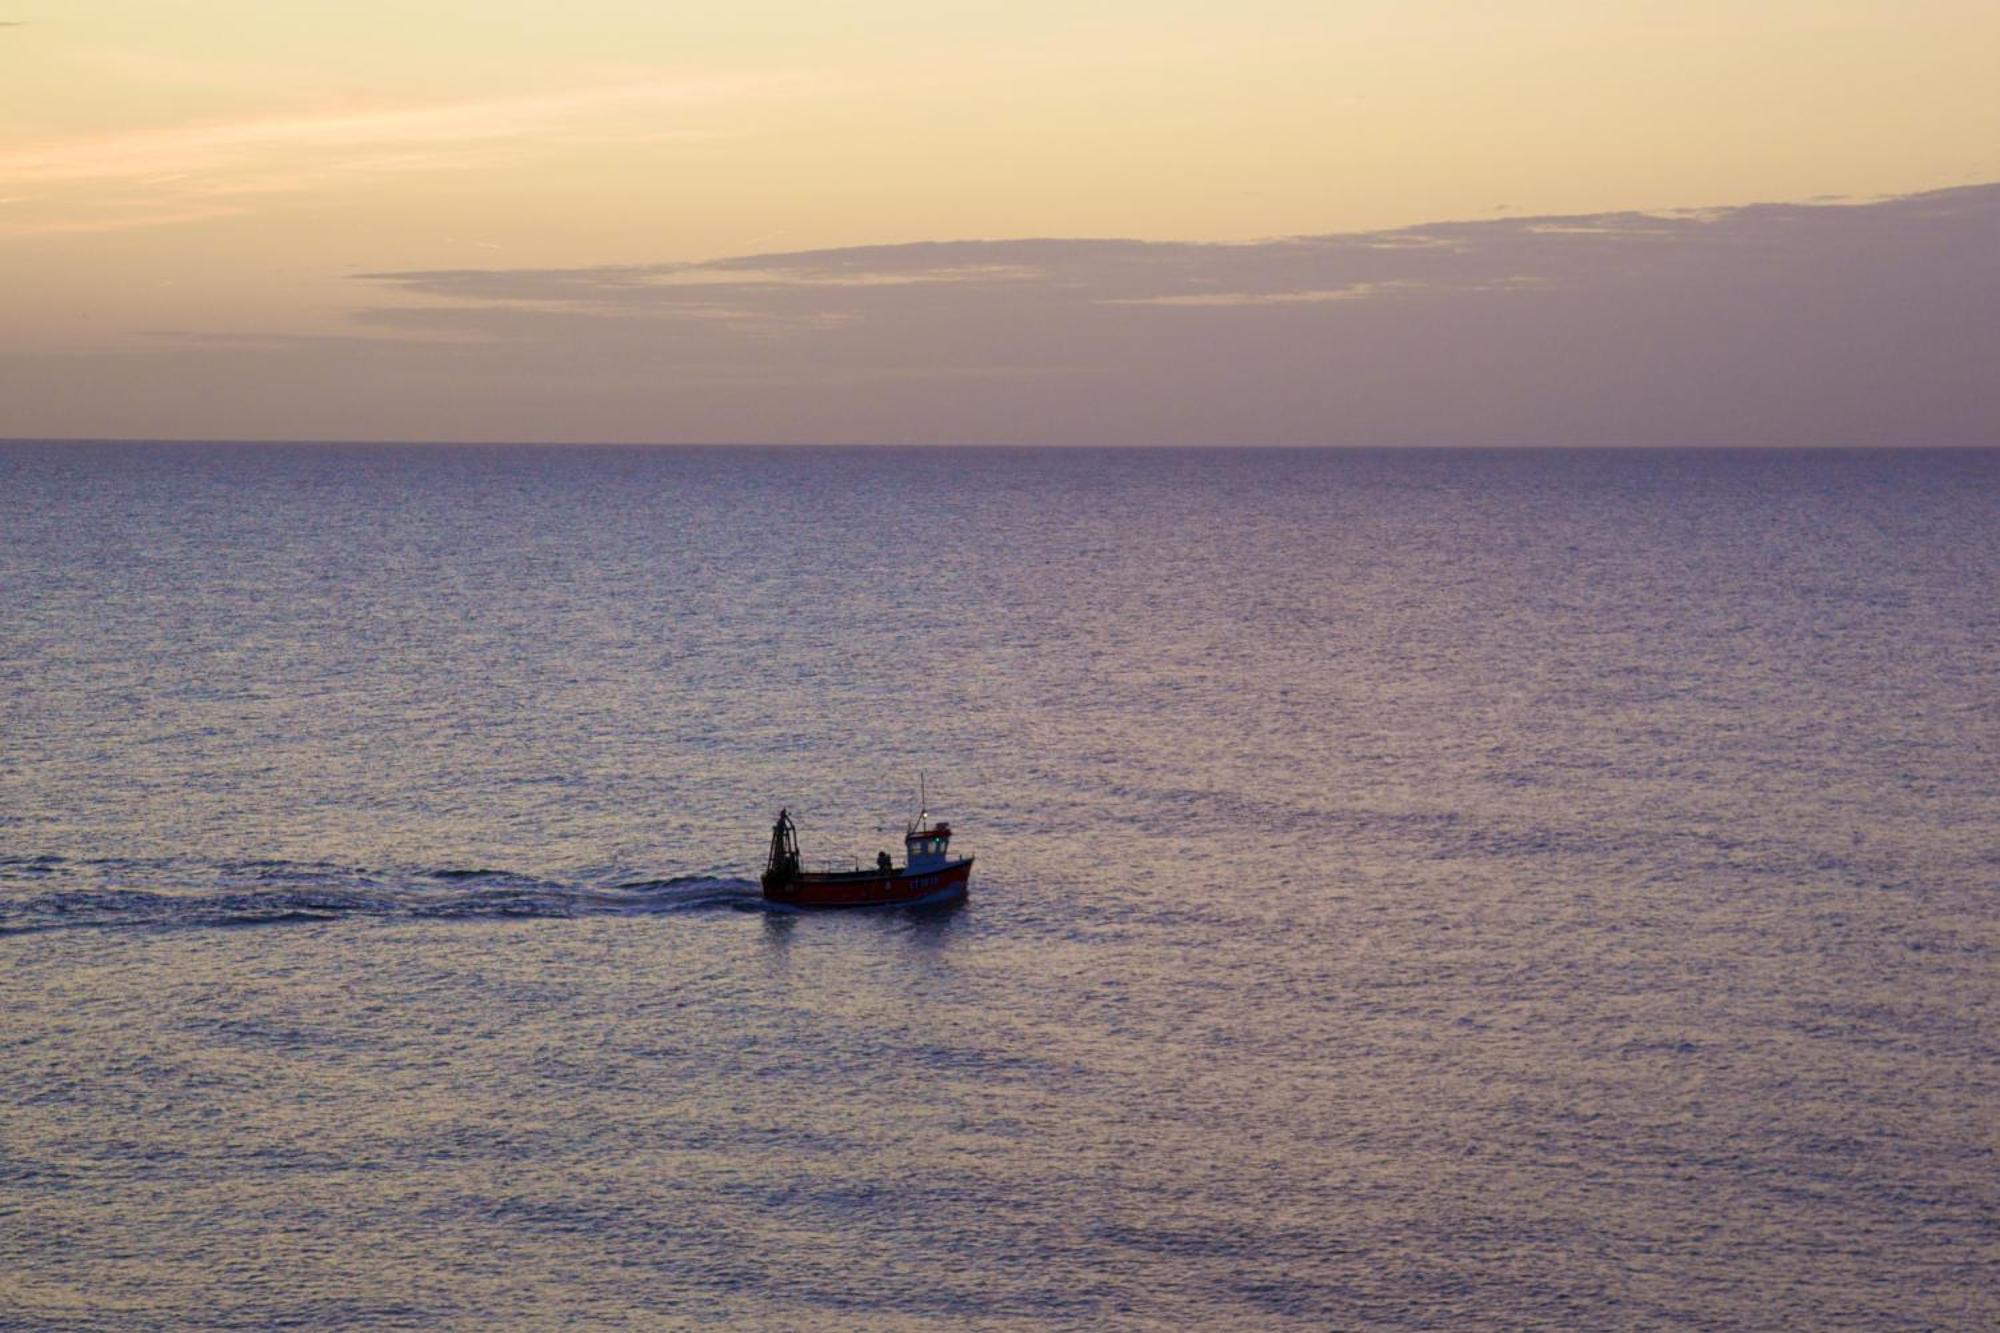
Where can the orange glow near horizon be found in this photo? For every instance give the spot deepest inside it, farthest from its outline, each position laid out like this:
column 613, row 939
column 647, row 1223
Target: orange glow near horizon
column 220, row 167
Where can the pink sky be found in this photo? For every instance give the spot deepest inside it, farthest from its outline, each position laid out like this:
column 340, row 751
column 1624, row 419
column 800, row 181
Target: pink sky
column 240, row 219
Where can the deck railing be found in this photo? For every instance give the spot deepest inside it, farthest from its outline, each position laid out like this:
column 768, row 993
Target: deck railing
column 856, row 864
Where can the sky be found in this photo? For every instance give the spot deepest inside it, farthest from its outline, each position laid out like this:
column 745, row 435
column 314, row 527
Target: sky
column 1270, row 221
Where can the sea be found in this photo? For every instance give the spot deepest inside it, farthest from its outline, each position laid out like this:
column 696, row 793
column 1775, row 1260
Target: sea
column 1423, row 889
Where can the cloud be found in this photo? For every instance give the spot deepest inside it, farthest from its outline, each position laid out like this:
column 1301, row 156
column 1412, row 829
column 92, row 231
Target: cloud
column 190, row 149
column 1063, row 273
column 1772, row 324
column 1360, row 291
column 1783, row 324
column 135, row 215
column 154, row 176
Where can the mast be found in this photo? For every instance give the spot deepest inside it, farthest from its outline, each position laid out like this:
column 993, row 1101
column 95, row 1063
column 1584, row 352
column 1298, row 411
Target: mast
column 784, row 862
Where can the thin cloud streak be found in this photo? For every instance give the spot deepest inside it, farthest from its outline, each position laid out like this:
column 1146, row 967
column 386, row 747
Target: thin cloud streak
column 1360, row 291
column 112, row 222
column 152, row 154
column 198, row 173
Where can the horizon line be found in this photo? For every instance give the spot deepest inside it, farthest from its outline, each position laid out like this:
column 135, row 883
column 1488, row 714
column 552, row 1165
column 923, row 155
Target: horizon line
column 750, row 445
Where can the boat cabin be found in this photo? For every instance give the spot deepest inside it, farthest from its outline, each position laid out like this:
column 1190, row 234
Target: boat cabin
column 924, row 846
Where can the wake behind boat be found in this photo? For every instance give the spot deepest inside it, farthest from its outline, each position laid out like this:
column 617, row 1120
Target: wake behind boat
column 928, row 873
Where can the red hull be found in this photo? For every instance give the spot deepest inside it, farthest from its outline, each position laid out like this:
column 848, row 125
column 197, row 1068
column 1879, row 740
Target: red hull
column 869, row 888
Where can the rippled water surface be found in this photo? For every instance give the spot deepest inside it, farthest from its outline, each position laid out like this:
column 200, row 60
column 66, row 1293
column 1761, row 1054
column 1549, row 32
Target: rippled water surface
column 1414, row 890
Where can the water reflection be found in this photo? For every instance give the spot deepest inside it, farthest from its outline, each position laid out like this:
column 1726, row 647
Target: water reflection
column 930, row 926
column 778, row 927
column 929, row 929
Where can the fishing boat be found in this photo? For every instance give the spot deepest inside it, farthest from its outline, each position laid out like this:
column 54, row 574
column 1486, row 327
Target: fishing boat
column 929, row 872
